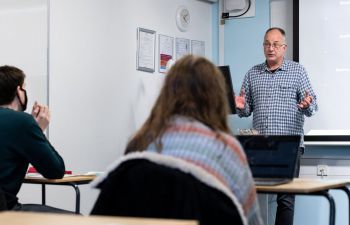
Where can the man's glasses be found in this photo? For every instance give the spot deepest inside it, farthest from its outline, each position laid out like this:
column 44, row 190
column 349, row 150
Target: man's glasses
column 273, row 45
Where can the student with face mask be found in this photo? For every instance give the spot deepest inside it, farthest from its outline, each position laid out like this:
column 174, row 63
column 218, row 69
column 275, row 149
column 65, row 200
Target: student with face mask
column 22, row 141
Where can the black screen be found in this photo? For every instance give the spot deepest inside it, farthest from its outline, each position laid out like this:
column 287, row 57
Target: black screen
column 271, row 156
column 225, row 70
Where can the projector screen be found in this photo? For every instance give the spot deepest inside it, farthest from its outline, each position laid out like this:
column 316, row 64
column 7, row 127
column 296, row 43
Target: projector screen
column 324, row 50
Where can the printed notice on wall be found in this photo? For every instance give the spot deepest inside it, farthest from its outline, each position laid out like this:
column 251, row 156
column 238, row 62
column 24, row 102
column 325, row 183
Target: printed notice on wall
column 198, row 47
column 145, row 49
column 182, row 47
column 166, row 51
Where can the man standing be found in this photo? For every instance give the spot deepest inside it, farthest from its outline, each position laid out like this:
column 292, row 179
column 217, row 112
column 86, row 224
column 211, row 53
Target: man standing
column 22, row 141
column 279, row 94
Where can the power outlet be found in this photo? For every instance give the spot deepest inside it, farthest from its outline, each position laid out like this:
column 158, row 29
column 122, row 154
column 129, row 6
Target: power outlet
column 322, row 170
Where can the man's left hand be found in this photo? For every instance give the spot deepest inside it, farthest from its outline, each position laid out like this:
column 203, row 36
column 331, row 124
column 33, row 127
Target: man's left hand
column 306, row 102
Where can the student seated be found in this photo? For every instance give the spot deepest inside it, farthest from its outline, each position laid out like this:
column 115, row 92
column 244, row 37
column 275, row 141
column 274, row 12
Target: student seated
column 151, row 185
column 22, row 141
column 189, row 121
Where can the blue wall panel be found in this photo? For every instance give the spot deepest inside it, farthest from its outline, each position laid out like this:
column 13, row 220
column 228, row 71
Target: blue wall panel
column 243, row 49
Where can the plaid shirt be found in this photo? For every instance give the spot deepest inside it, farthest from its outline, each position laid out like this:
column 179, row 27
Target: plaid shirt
column 273, row 98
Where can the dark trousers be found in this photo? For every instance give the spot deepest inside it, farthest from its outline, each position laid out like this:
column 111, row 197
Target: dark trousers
column 285, row 203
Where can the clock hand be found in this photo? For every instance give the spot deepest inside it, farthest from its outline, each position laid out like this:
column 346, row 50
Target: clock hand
column 186, row 19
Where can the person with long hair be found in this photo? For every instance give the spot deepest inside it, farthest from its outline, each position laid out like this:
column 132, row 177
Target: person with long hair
column 189, row 121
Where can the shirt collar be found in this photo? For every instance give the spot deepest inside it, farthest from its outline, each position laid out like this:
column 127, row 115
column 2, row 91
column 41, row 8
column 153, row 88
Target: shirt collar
column 283, row 66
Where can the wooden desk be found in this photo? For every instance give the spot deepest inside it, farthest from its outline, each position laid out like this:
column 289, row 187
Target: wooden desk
column 73, row 181
column 25, row 218
column 303, row 186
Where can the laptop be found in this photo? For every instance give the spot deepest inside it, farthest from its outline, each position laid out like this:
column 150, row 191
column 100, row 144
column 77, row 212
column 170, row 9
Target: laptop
column 225, row 70
column 272, row 159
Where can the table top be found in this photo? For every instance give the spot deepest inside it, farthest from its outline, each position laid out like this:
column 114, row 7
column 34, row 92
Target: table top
column 25, row 218
column 304, row 186
column 79, row 179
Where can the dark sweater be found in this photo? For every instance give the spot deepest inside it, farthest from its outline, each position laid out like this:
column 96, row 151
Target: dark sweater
column 22, row 142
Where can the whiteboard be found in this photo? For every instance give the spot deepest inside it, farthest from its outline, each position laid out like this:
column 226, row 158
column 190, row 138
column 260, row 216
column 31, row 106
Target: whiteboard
column 324, row 50
column 24, row 43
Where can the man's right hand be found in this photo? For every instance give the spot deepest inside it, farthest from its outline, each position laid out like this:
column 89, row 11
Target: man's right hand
column 240, row 100
column 41, row 114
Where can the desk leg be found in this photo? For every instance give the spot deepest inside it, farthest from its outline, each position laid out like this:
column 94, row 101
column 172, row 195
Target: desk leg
column 347, row 192
column 320, row 193
column 43, row 195
column 331, row 206
column 77, row 197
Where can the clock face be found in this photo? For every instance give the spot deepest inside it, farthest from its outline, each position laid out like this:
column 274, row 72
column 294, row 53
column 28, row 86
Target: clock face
column 183, row 18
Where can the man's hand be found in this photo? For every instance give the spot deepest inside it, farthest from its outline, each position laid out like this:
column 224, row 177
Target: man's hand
column 305, row 103
column 41, row 114
column 240, row 100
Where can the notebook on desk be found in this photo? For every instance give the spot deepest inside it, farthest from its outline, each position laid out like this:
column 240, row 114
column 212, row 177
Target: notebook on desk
column 272, row 159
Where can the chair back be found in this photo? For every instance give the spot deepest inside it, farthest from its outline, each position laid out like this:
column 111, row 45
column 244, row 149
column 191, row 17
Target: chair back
column 3, row 204
column 140, row 187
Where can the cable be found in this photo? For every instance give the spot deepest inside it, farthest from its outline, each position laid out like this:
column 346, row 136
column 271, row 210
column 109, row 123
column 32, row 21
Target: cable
column 227, row 15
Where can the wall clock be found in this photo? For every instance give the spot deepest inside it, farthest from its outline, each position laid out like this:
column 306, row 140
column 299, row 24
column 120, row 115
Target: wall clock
column 183, row 18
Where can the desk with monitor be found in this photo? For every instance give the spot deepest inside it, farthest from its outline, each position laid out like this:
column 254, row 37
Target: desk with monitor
column 299, row 186
column 318, row 187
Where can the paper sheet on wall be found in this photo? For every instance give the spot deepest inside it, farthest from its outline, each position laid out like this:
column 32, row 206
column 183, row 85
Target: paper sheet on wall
column 198, row 47
column 166, row 45
column 146, row 50
column 182, row 47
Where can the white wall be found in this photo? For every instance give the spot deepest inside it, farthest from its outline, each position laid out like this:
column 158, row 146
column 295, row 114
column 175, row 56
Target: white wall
column 23, row 42
column 281, row 15
column 97, row 97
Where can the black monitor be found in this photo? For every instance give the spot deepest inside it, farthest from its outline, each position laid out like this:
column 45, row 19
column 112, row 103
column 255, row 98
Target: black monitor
column 225, row 70
column 271, row 156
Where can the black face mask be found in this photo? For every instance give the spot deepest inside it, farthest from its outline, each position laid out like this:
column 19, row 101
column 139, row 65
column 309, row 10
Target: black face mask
column 23, row 105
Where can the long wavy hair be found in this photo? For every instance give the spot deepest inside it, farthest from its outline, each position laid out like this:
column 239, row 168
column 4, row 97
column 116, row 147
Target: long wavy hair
column 194, row 88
